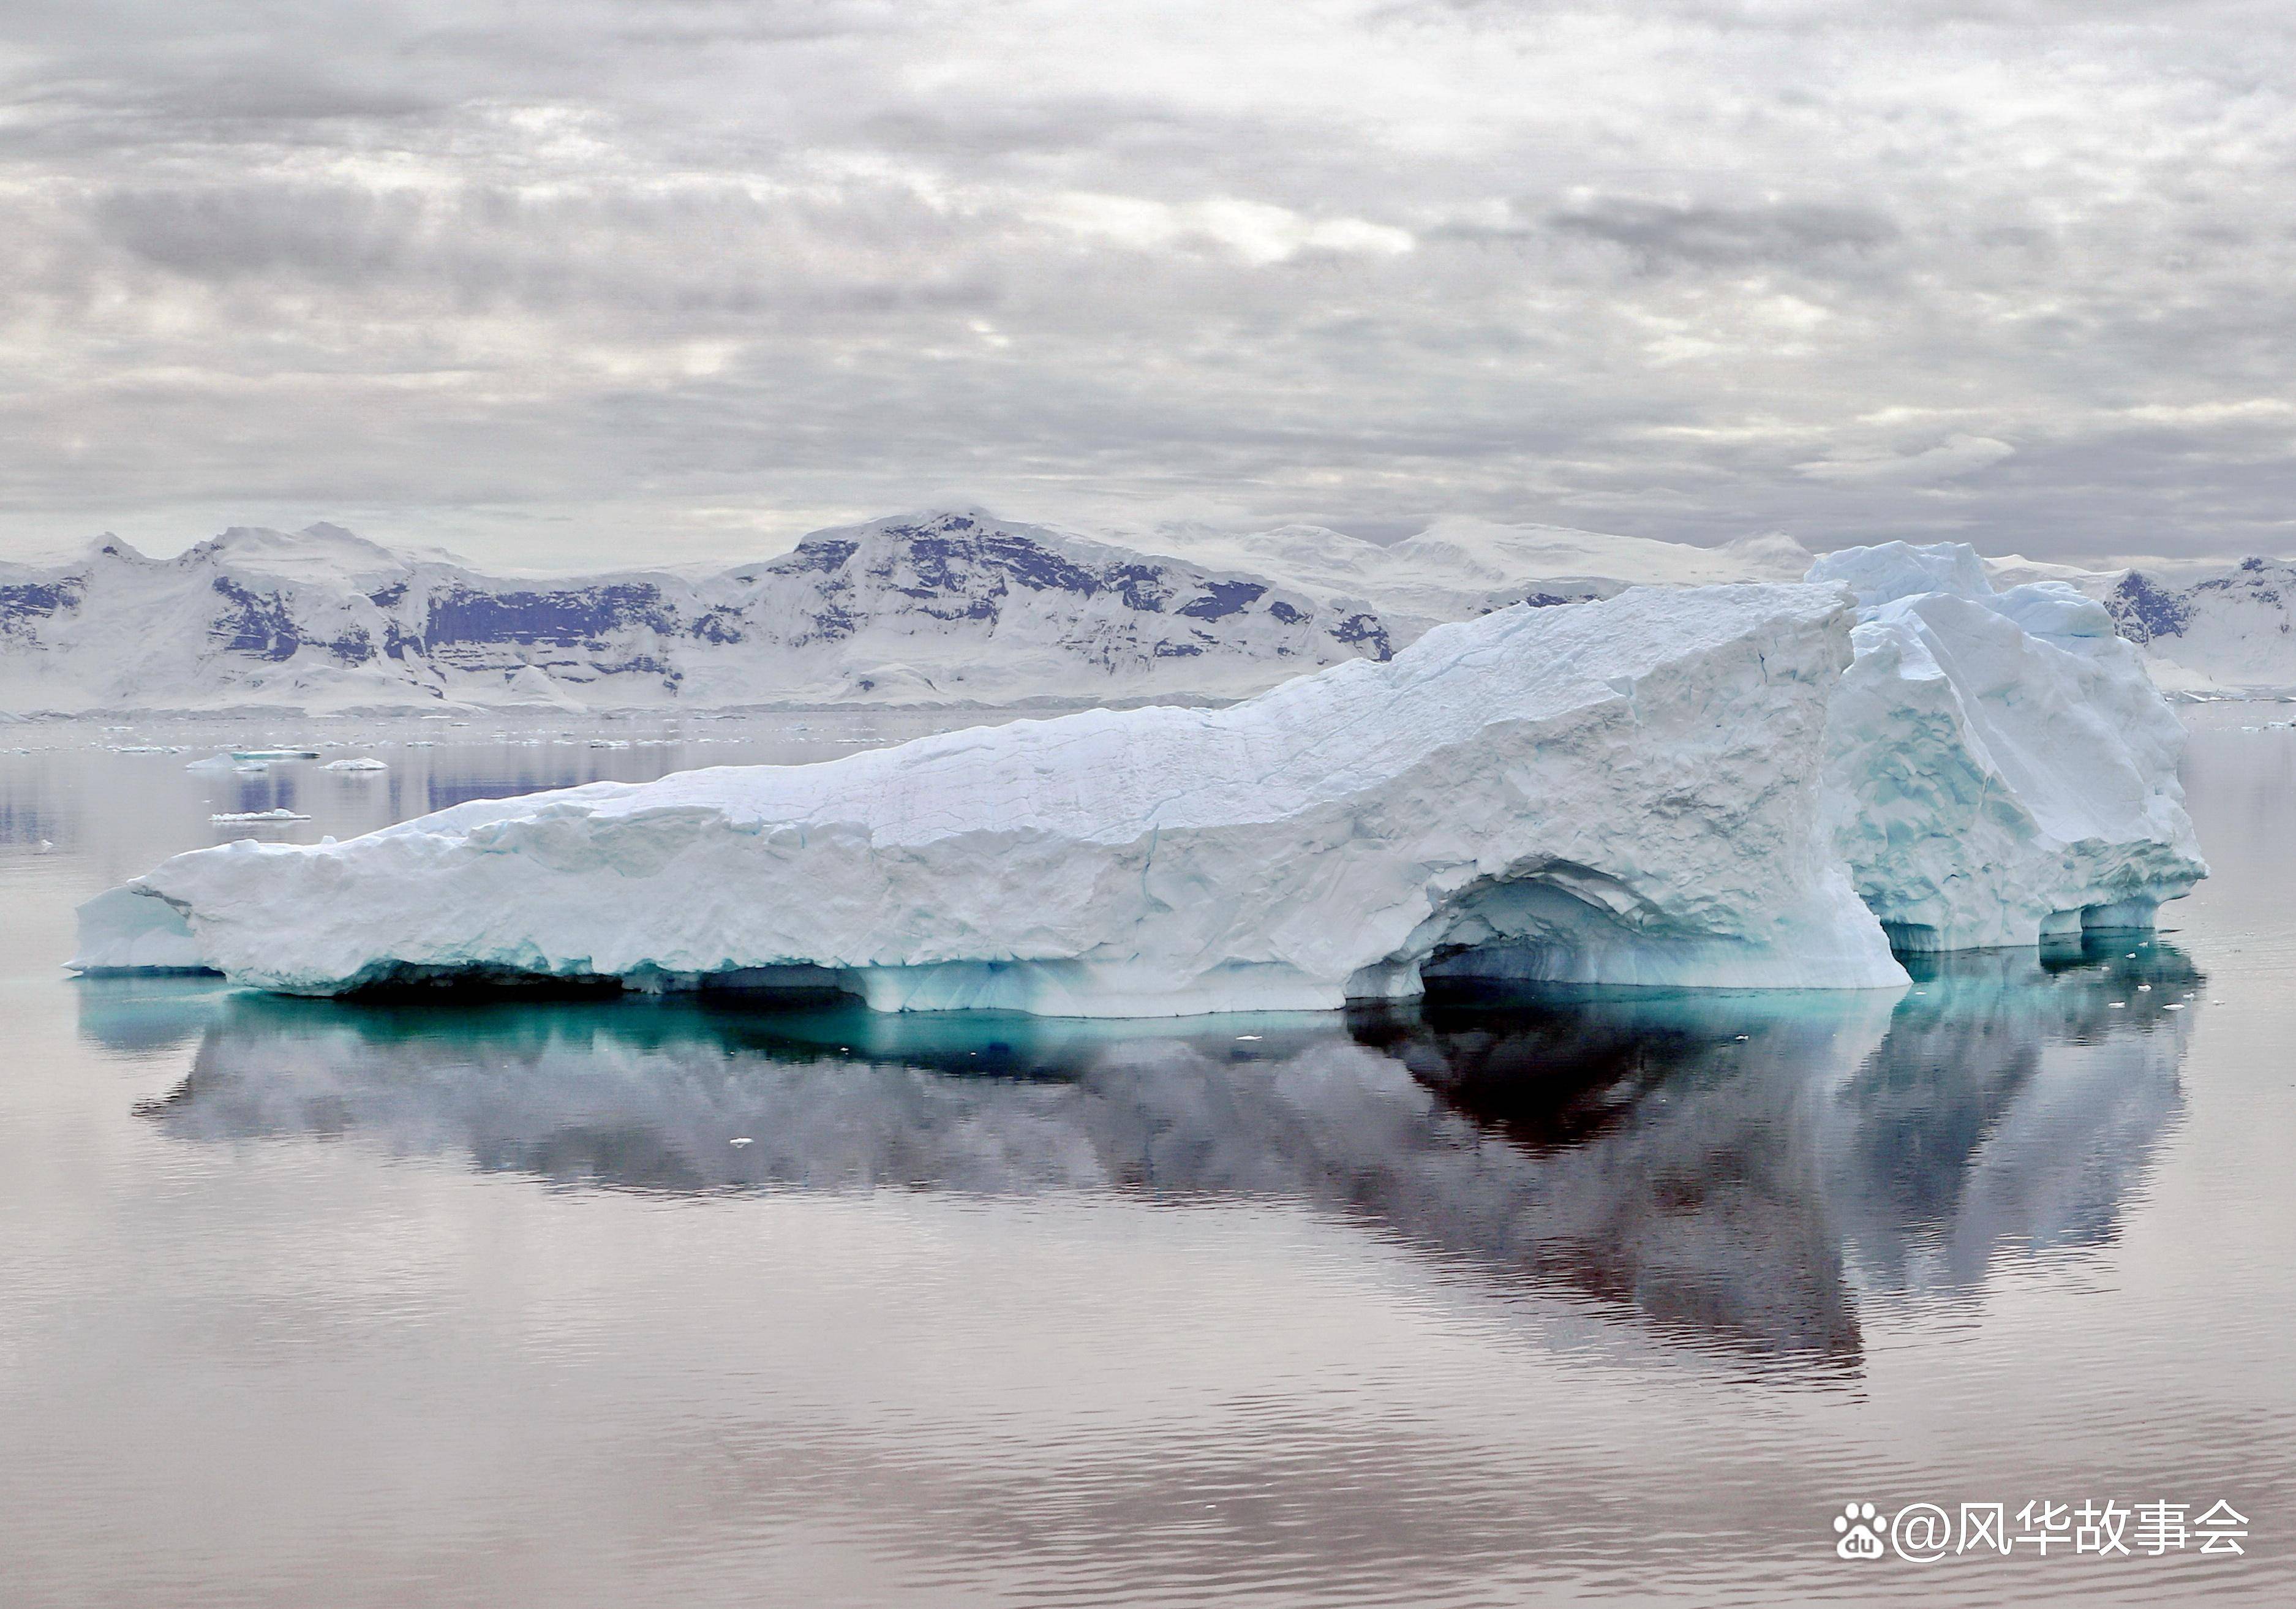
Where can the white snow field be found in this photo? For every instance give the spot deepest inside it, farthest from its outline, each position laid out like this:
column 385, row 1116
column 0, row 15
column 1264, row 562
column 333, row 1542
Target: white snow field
column 1678, row 787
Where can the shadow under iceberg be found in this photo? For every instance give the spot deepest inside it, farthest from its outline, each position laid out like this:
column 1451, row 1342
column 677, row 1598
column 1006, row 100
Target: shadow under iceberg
column 1731, row 1170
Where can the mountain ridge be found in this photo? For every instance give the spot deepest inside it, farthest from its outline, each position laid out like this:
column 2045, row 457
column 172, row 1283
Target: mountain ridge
column 906, row 607
column 945, row 606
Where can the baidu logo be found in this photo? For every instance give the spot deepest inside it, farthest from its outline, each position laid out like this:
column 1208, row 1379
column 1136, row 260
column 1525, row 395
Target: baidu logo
column 1860, row 1528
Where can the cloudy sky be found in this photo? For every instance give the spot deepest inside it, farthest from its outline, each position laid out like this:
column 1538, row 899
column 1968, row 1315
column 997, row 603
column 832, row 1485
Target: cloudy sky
column 594, row 279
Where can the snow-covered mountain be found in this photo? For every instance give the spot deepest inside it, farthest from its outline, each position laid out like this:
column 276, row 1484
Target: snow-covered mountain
column 953, row 606
column 2233, row 631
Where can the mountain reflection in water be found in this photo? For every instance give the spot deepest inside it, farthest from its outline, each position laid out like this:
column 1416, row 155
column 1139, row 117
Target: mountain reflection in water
column 1729, row 1169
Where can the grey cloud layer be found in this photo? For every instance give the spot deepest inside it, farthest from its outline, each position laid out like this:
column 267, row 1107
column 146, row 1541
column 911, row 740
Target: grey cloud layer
column 553, row 282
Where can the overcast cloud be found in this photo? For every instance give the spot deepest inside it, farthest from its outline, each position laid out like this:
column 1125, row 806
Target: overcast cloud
column 604, row 279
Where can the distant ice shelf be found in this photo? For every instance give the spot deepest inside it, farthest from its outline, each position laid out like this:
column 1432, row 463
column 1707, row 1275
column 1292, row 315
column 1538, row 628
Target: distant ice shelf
column 1721, row 786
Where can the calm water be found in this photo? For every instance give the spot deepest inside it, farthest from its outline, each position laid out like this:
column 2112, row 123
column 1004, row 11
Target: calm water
column 1555, row 1300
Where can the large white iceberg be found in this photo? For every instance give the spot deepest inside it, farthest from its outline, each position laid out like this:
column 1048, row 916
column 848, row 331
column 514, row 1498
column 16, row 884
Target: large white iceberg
column 1689, row 787
column 1622, row 792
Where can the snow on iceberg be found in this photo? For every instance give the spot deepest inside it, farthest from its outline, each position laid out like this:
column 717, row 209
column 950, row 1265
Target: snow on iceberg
column 1626, row 791
column 2002, row 769
column 1729, row 786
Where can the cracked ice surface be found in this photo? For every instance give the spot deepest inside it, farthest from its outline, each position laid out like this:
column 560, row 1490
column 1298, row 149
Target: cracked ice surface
column 1666, row 787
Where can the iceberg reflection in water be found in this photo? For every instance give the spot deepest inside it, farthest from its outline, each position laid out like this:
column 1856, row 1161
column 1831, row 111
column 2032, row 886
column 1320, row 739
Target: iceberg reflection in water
column 1734, row 1170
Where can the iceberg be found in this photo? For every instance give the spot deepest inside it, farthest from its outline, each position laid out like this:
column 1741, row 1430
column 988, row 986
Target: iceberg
column 1624, row 791
column 2002, row 769
column 1752, row 785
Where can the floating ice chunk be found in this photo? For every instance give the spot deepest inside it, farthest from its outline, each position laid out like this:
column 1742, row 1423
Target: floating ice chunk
column 213, row 762
column 278, row 815
column 1624, row 791
column 359, row 768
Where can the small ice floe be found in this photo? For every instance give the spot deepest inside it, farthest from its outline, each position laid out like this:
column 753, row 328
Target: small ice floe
column 1241, row 1037
column 363, row 767
column 251, row 768
column 213, row 762
column 610, row 742
column 225, row 816
column 739, row 1140
column 269, row 754
column 2174, row 1005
